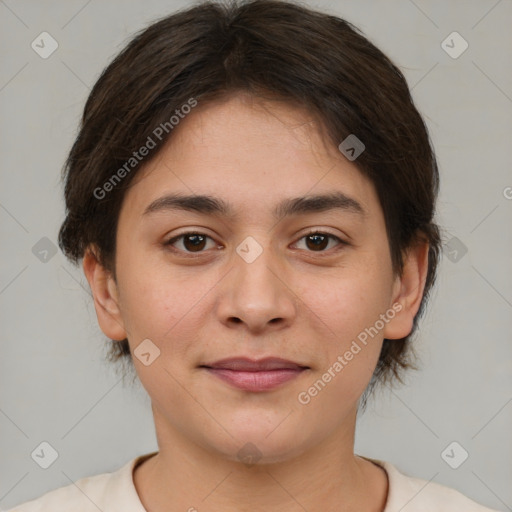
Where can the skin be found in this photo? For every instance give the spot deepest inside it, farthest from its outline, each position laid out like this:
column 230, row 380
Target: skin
column 294, row 301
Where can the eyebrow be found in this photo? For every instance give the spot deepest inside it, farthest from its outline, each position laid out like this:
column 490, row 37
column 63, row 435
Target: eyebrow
column 211, row 205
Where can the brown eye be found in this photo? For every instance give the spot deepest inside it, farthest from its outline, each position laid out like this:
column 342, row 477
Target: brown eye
column 194, row 242
column 191, row 242
column 318, row 241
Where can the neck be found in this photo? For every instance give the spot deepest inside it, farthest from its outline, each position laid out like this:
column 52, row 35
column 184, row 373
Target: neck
column 326, row 476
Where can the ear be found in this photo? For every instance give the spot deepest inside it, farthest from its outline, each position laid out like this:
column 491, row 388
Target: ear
column 106, row 300
column 408, row 291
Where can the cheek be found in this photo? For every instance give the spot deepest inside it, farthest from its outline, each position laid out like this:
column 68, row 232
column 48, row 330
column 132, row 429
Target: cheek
column 346, row 301
column 348, row 306
column 154, row 304
column 349, row 353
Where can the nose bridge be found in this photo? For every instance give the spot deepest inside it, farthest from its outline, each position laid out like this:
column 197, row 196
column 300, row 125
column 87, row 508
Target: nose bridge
column 257, row 294
column 254, row 265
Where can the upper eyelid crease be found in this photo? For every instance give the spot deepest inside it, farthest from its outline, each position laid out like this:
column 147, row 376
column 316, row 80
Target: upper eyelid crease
column 313, row 232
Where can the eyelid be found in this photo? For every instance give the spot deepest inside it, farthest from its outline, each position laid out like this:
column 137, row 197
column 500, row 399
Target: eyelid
column 311, row 231
column 175, row 238
column 323, row 231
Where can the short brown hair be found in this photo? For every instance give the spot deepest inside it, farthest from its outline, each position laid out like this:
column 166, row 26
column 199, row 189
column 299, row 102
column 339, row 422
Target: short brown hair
column 266, row 48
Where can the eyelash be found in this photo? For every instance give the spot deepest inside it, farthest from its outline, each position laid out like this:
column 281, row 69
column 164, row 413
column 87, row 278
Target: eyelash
column 197, row 254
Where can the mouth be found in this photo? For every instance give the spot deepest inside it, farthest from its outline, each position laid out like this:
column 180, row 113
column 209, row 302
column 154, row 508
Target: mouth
column 255, row 375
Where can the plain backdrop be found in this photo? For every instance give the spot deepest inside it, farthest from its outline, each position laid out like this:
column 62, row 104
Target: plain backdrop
column 54, row 384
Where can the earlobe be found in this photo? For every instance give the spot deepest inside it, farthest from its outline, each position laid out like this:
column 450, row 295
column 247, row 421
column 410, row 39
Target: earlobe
column 105, row 294
column 408, row 291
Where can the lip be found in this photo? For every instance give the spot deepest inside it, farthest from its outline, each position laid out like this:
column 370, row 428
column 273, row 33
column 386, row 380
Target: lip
column 255, row 381
column 246, row 364
column 255, row 375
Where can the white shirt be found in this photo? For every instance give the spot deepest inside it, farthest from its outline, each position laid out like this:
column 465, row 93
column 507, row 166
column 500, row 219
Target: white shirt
column 115, row 492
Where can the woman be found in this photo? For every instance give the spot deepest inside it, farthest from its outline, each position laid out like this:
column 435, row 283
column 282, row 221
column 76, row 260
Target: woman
column 252, row 195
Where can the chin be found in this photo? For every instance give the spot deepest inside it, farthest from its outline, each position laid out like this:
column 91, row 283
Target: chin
column 258, row 447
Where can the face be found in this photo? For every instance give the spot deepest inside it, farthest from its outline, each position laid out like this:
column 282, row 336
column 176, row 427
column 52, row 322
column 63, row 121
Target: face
column 301, row 284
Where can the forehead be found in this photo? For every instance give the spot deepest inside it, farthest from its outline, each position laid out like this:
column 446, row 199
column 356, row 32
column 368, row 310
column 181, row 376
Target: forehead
column 252, row 153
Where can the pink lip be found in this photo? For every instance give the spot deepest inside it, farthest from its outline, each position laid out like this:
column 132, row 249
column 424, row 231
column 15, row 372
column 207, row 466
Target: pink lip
column 255, row 365
column 256, row 381
column 255, row 375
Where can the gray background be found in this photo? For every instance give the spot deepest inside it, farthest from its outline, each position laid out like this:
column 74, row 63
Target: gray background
column 55, row 386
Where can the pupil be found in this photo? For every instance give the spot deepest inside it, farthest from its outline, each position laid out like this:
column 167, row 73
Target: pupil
column 318, row 241
column 199, row 239
column 317, row 238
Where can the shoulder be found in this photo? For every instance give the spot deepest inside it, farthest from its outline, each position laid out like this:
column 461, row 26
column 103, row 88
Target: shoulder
column 80, row 496
column 418, row 495
column 109, row 492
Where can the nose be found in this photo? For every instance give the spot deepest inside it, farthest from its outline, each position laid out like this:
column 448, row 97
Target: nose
column 255, row 294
